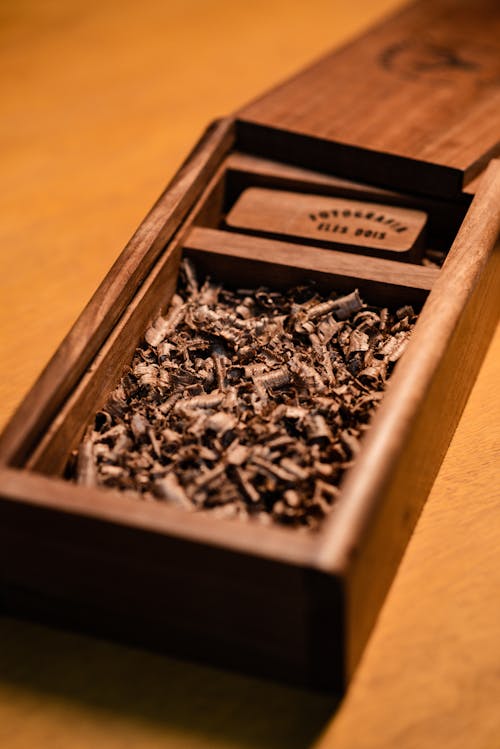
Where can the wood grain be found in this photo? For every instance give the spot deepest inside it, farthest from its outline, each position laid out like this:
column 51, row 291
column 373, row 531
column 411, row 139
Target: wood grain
column 347, row 224
column 149, row 578
column 429, row 675
column 441, row 55
column 58, row 688
column 404, row 449
column 376, row 276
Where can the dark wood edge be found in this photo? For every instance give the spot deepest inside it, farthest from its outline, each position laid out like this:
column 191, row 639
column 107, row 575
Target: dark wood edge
column 93, row 326
column 70, row 561
column 332, row 262
column 306, row 178
column 280, row 174
column 280, row 263
column 60, row 496
column 429, row 440
column 351, row 162
column 383, row 495
column 417, row 467
column 473, row 175
column 363, row 492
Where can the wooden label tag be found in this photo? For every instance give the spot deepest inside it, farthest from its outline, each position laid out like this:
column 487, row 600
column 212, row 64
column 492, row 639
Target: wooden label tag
column 352, row 224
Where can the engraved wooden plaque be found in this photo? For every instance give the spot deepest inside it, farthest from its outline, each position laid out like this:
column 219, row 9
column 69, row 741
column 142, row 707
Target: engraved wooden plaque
column 351, row 224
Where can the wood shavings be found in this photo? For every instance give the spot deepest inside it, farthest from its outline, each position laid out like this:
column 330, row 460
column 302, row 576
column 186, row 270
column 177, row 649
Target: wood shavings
column 433, row 258
column 247, row 404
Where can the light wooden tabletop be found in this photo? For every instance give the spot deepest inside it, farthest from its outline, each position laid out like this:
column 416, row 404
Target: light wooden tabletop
column 101, row 101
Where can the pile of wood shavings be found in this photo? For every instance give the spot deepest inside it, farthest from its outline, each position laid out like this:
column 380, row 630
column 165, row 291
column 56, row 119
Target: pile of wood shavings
column 246, row 403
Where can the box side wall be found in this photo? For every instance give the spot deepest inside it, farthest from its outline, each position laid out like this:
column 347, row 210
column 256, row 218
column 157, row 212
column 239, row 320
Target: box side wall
column 374, row 562
column 168, row 594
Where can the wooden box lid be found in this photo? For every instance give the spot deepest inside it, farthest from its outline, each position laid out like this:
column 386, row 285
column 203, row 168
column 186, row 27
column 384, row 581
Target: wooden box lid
column 414, row 104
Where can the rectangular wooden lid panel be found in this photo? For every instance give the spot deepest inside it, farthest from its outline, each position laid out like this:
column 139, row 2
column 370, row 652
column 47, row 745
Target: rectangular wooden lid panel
column 423, row 85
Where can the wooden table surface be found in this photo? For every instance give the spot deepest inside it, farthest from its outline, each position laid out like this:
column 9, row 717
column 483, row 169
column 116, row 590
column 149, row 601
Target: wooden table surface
column 101, row 101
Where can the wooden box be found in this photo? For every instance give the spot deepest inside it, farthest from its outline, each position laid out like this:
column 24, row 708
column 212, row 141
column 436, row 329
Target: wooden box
column 412, row 124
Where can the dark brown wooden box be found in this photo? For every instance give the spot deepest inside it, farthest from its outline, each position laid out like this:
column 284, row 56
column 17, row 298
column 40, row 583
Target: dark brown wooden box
column 268, row 600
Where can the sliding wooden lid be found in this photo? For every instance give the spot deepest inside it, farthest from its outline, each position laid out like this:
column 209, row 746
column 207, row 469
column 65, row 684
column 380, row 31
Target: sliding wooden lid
column 413, row 104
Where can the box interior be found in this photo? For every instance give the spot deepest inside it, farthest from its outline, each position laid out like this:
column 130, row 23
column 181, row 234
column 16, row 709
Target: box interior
column 243, row 259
